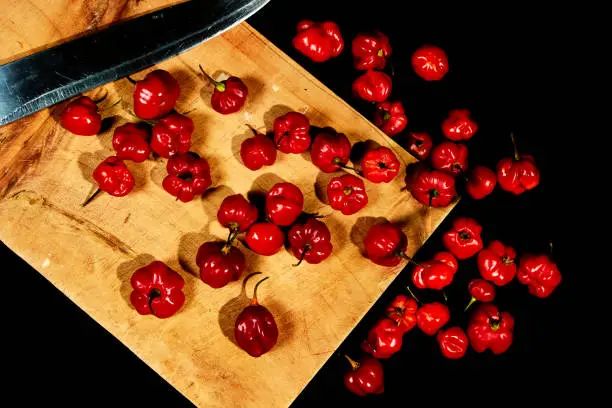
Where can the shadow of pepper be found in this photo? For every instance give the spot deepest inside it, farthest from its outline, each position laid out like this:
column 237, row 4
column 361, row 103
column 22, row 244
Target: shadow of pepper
column 273, row 113
column 359, row 150
column 125, row 271
column 320, row 186
column 228, row 313
column 188, row 249
column 89, row 161
column 237, row 142
column 256, row 89
column 361, row 228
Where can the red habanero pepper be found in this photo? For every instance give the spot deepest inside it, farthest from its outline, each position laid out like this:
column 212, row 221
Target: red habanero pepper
column 131, row 142
column 284, row 204
column 450, row 157
column 385, row 244
column 229, row 95
column 219, row 263
column 497, row 263
column 390, row 117
column 310, row 242
column 380, row 165
column 402, row 310
column 517, row 174
column 330, row 151
column 481, row 291
column 432, row 187
column 453, row 342
column 366, row 377
column 373, row 86
column 481, row 182
column 81, row 117
column 291, row 133
column 155, row 95
column 384, row 339
column 113, row 177
column 318, row 41
column 172, row 135
column 459, row 125
column 464, row 239
column 437, row 273
column 431, row 317
column 237, row 214
column 188, row 176
column 540, row 273
column 158, row 290
column 347, row 194
column 490, row 329
column 265, row 238
column 258, row 151
column 430, row 63
column 371, row 50
column 419, row 144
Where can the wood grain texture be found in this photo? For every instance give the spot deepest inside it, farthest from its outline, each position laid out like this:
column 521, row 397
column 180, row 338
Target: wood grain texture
column 90, row 253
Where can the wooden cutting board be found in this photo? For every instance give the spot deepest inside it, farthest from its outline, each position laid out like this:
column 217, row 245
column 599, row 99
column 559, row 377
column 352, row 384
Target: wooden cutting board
column 90, row 253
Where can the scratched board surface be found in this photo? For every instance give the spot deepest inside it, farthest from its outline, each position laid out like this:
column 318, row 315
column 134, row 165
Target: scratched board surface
column 90, row 253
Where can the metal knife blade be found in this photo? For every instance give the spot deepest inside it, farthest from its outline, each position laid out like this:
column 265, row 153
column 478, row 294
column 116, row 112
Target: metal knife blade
column 51, row 76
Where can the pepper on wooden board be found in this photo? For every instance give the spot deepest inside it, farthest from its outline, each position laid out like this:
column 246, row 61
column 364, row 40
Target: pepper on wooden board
column 81, row 117
column 188, row 176
column 172, row 135
column 229, row 95
column 380, row 165
column 236, row 213
column 113, row 177
column 258, row 151
column 347, row 194
column 157, row 290
column 390, row 117
column 385, row 244
column 219, row 263
column 284, row 203
column 330, row 151
column 431, row 187
column 310, row 242
column 292, row 133
column 155, row 95
column 131, row 142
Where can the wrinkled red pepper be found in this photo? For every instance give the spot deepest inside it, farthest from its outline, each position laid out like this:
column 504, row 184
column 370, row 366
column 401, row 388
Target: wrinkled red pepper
column 158, row 290
column 453, row 342
column 402, row 310
column 371, row 50
column 540, row 273
column 384, row 339
column 172, row 135
column 432, row 187
column 373, row 86
column 419, row 144
column 318, row 41
column 310, row 242
column 284, row 203
column 366, row 377
column 517, row 174
column 81, row 117
column 437, row 273
column 347, row 194
column 237, row 214
column 219, row 263
column 291, row 133
column 390, row 117
column 450, row 157
column 131, row 142
column 481, row 291
column 431, row 317
column 229, row 95
column 481, row 182
column 113, row 177
column 188, row 176
column 464, row 239
column 459, row 125
column 380, row 165
column 385, row 244
column 497, row 263
column 330, row 151
column 430, row 62
column 258, row 151
column 155, row 95
column 490, row 329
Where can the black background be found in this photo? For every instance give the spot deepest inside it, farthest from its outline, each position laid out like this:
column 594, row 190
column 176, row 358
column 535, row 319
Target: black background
column 505, row 67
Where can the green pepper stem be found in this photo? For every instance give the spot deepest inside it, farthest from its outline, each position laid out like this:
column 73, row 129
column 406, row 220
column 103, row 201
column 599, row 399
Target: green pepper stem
column 219, row 85
column 444, row 295
column 412, row 294
column 471, row 302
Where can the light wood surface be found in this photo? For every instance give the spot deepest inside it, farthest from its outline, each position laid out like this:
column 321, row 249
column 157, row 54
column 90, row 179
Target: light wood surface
column 90, row 253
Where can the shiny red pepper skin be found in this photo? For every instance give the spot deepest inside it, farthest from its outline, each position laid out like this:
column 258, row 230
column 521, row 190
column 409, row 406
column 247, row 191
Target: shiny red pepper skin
column 459, row 125
column 453, row 342
column 431, row 317
column 258, row 151
column 384, row 339
column 419, row 144
column 188, row 176
column 291, row 133
column 330, row 151
column 220, row 263
column 385, row 244
column 518, row 174
column 113, row 177
column 450, row 157
column 371, row 50
column 172, row 135
column 380, row 165
column 318, row 41
column 347, row 194
column 155, row 95
column 430, row 63
column 310, row 241
column 437, row 273
column 540, row 273
column 236, row 213
column 265, row 238
column 432, row 187
column 255, row 330
column 373, row 86
column 490, row 329
column 390, row 117
column 158, row 290
column 229, row 95
column 131, row 142
column 497, row 263
column 464, row 239
column 402, row 310
column 284, row 203
column 481, row 290
column 81, row 117
column 366, row 377
column 481, row 182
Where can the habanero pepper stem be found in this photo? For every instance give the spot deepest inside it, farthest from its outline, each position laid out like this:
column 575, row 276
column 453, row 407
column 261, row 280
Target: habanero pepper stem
column 470, row 303
column 412, row 294
column 91, row 197
column 155, row 293
column 354, row 364
column 517, row 157
column 97, row 101
column 219, row 85
column 307, row 248
column 254, row 300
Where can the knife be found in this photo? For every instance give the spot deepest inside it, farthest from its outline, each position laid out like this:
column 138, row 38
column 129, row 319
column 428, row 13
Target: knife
column 59, row 73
